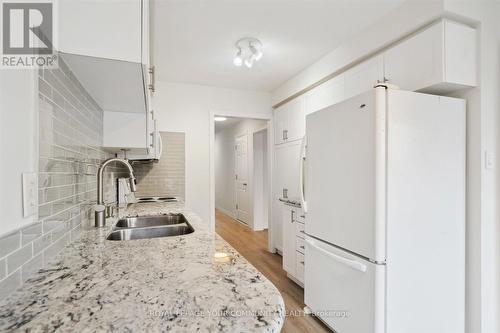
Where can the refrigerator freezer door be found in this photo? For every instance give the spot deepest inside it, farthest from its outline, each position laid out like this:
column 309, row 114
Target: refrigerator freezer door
column 345, row 291
column 346, row 174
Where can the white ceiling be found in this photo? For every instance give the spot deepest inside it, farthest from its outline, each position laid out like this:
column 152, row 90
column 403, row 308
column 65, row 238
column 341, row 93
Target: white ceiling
column 194, row 39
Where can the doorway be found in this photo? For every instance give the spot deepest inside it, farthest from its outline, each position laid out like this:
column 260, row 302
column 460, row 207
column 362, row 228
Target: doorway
column 241, row 170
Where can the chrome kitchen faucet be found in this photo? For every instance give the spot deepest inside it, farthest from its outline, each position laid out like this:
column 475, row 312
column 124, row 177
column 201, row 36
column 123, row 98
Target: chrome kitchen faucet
column 100, row 209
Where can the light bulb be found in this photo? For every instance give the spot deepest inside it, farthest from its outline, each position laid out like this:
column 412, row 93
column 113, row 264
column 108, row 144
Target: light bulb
column 238, row 61
column 249, row 62
column 257, row 54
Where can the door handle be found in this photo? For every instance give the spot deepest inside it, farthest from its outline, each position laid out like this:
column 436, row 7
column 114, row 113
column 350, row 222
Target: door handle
column 350, row 263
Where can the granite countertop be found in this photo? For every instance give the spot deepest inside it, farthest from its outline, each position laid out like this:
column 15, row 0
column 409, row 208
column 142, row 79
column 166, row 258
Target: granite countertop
column 194, row 282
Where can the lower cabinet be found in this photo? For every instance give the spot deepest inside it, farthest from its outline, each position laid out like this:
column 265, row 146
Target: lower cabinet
column 293, row 242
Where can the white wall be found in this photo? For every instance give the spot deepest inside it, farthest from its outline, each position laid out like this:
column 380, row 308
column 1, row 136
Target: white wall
column 483, row 108
column 186, row 108
column 225, row 198
column 18, row 143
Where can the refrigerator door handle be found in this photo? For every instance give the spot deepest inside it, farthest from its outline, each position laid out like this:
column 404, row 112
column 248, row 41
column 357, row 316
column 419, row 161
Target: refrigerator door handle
column 302, row 180
column 350, row 263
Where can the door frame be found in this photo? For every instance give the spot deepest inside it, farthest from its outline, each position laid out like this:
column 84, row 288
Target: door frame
column 270, row 161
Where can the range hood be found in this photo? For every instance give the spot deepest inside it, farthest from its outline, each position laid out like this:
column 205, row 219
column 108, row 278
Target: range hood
column 116, row 85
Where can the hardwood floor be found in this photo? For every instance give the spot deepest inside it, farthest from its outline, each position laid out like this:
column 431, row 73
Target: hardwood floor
column 253, row 246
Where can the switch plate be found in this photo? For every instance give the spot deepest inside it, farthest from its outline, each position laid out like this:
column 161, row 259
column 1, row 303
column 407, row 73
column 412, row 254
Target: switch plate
column 30, row 197
column 489, row 161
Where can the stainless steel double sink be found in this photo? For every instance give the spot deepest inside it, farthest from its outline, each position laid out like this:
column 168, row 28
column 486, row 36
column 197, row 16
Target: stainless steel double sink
column 144, row 227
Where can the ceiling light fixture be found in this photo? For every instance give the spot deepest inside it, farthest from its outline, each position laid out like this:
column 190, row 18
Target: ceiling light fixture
column 249, row 51
column 217, row 118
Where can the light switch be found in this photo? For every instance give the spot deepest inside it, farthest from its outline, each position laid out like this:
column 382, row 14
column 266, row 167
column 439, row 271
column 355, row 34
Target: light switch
column 30, row 196
column 489, row 162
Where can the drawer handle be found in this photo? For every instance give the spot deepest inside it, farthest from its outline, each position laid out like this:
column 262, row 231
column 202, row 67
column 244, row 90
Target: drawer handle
column 350, row 263
column 302, row 247
column 302, row 262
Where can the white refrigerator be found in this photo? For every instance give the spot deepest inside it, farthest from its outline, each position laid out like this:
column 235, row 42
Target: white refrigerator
column 384, row 189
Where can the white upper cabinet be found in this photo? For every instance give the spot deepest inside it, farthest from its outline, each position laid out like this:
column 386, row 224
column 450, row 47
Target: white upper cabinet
column 440, row 59
column 364, row 76
column 289, row 121
column 125, row 130
column 354, row 81
column 326, row 94
column 287, row 161
column 105, row 29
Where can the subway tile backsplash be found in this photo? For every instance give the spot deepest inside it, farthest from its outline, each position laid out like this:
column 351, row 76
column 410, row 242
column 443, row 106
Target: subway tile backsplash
column 70, row 141
column 167, row 177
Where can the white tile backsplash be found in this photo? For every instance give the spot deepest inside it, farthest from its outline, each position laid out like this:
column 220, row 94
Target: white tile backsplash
column 70, row 152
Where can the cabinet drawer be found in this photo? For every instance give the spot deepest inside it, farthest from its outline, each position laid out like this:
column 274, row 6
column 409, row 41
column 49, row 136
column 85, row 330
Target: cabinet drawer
column 299, row 245
column 299, row 228
column 299, row 216
column 300, row 265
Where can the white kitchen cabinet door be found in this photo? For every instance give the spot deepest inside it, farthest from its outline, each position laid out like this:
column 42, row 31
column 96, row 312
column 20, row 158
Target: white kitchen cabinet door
column 278, row 225
column 288, row 225
column 324, row 95
column 440, row 59
column 289, row 121
column 280, row 124
column 105, row 29
column 286, row 171
column 291, row 170
column 296, row 127
column 125, row 130
column 280, row 159
column 364, row 76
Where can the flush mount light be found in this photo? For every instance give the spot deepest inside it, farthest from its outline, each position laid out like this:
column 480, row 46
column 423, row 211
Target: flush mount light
column 249, row 51
column 217, row 118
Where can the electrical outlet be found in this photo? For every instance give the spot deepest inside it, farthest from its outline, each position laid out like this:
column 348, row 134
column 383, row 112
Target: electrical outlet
column 30, row 195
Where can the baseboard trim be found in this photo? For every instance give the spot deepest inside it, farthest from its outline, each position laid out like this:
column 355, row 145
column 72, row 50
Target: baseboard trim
column 227, row 212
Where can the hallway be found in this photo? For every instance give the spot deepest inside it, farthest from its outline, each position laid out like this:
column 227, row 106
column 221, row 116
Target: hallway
column 253, row 246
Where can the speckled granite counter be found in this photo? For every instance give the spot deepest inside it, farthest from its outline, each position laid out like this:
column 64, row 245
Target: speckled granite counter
column 161, row 284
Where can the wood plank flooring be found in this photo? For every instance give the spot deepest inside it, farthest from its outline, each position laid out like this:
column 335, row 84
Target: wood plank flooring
column 253, row 246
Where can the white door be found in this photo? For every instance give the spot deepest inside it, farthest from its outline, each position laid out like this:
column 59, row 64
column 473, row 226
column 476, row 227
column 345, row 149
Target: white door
column 345, row 291
column 342, row 178
column 241, row 179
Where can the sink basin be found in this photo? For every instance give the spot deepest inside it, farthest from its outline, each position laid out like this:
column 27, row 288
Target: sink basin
column 154, row 232
column 151, row 221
